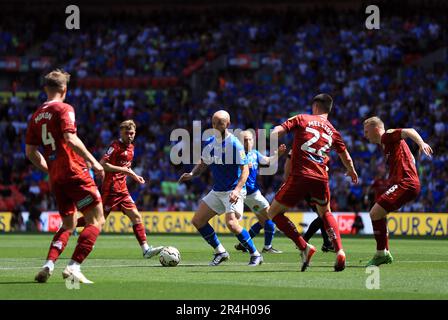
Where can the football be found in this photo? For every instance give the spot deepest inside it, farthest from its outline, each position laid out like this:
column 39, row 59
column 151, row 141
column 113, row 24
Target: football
column 169, row 257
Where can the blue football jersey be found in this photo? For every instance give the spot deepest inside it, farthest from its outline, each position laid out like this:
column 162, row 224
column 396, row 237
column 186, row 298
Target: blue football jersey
column 224, row 160
column 253, row 159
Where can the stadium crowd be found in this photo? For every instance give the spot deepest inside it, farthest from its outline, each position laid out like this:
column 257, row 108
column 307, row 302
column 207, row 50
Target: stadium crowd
column 366, row 72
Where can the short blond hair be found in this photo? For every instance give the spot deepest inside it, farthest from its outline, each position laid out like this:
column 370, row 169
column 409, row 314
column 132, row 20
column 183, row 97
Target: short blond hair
column 57, row 79
column 128, row 125
column 243, row 133
column 376, row 121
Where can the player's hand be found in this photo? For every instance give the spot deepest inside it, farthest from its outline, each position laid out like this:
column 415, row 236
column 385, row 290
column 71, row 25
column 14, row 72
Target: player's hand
column 185, row 177
column 281, row 150
column 234, row 196
column 98, row 169
column 426, row 149
column 352, row 174
column 138, row 178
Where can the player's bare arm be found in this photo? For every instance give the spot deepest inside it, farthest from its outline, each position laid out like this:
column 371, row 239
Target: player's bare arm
column 348, row 164
column 108, row 167
column 78, row 146
column 277, row 154
column 415, row 136
column 235, row 194
column 197, row 171
column 36, row 157
column 278, row 132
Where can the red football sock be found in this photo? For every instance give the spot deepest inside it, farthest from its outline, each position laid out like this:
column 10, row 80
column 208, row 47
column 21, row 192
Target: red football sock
column 331, row 226
column 85, row 244
column 290, row 230
column 58, row 244
column 380, row 232
column 81, row 222
column 140, row 234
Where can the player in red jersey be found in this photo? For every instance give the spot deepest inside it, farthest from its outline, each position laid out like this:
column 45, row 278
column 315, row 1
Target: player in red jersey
column 403, row 178
column 117, row 164
column 314, row 135
column 64, row 157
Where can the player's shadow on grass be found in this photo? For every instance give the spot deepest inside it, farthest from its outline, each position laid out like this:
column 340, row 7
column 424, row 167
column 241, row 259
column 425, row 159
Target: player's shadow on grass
column 19, row 282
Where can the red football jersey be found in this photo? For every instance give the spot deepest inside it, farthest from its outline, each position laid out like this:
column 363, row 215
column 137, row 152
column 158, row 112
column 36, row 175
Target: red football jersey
column 120, row 155
column 399, row 158
column 46, row 128
column 314, row 136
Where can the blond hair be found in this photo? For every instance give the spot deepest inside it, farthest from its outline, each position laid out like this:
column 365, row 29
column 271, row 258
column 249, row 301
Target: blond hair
column 128, row 125
column 243, row 133
column 376, row 121
column 56, row 80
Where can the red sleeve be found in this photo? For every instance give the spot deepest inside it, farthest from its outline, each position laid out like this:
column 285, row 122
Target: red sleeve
column 109, row 155
column 67, row 117
column 338, row 143
column 292, row 123
column 392, row 137
column 31, row 137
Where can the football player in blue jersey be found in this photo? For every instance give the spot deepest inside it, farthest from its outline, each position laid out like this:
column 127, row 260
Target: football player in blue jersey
column 254, row 199
column 225, row 156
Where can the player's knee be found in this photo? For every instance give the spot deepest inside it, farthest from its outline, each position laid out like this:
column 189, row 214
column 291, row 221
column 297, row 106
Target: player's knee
column 71, row 228
column 233, row 225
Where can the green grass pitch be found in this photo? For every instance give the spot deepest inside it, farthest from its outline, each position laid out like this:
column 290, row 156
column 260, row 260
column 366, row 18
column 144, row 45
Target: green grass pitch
column 420, row 271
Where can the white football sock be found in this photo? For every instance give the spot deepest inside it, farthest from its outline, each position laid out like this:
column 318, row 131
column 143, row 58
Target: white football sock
column 145, row 247
column 255, row 254
column 268, row 247
column 381, row 253
column 220, row 249
column 49, row 264
column 74, row 265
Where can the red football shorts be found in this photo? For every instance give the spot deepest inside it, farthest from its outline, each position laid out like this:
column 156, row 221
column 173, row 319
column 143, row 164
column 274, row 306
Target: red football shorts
column 397, row 195
column 298, row 188
column 121, row 201
column 78, row 193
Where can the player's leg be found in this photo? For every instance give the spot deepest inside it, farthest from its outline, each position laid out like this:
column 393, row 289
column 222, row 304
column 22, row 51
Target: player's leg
column 94, row 217
column 276, row 212
column 332, row 229
column 394, row 198
column 58, row 244
column 259, row 205
column 234, row 212
column 244, row 238
column 269, row 231
column 201, row 222
column 130, row 210
column 85, row 194
column 378, row 215
column 315, row 225
column 108, row 205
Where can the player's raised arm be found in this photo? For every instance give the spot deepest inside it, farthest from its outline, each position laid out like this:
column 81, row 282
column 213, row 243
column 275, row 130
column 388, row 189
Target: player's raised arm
column 278, row 132
column 78, row 146
column 197, row 171
column 348, row 164
column 36, row 158
column 415, row 136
